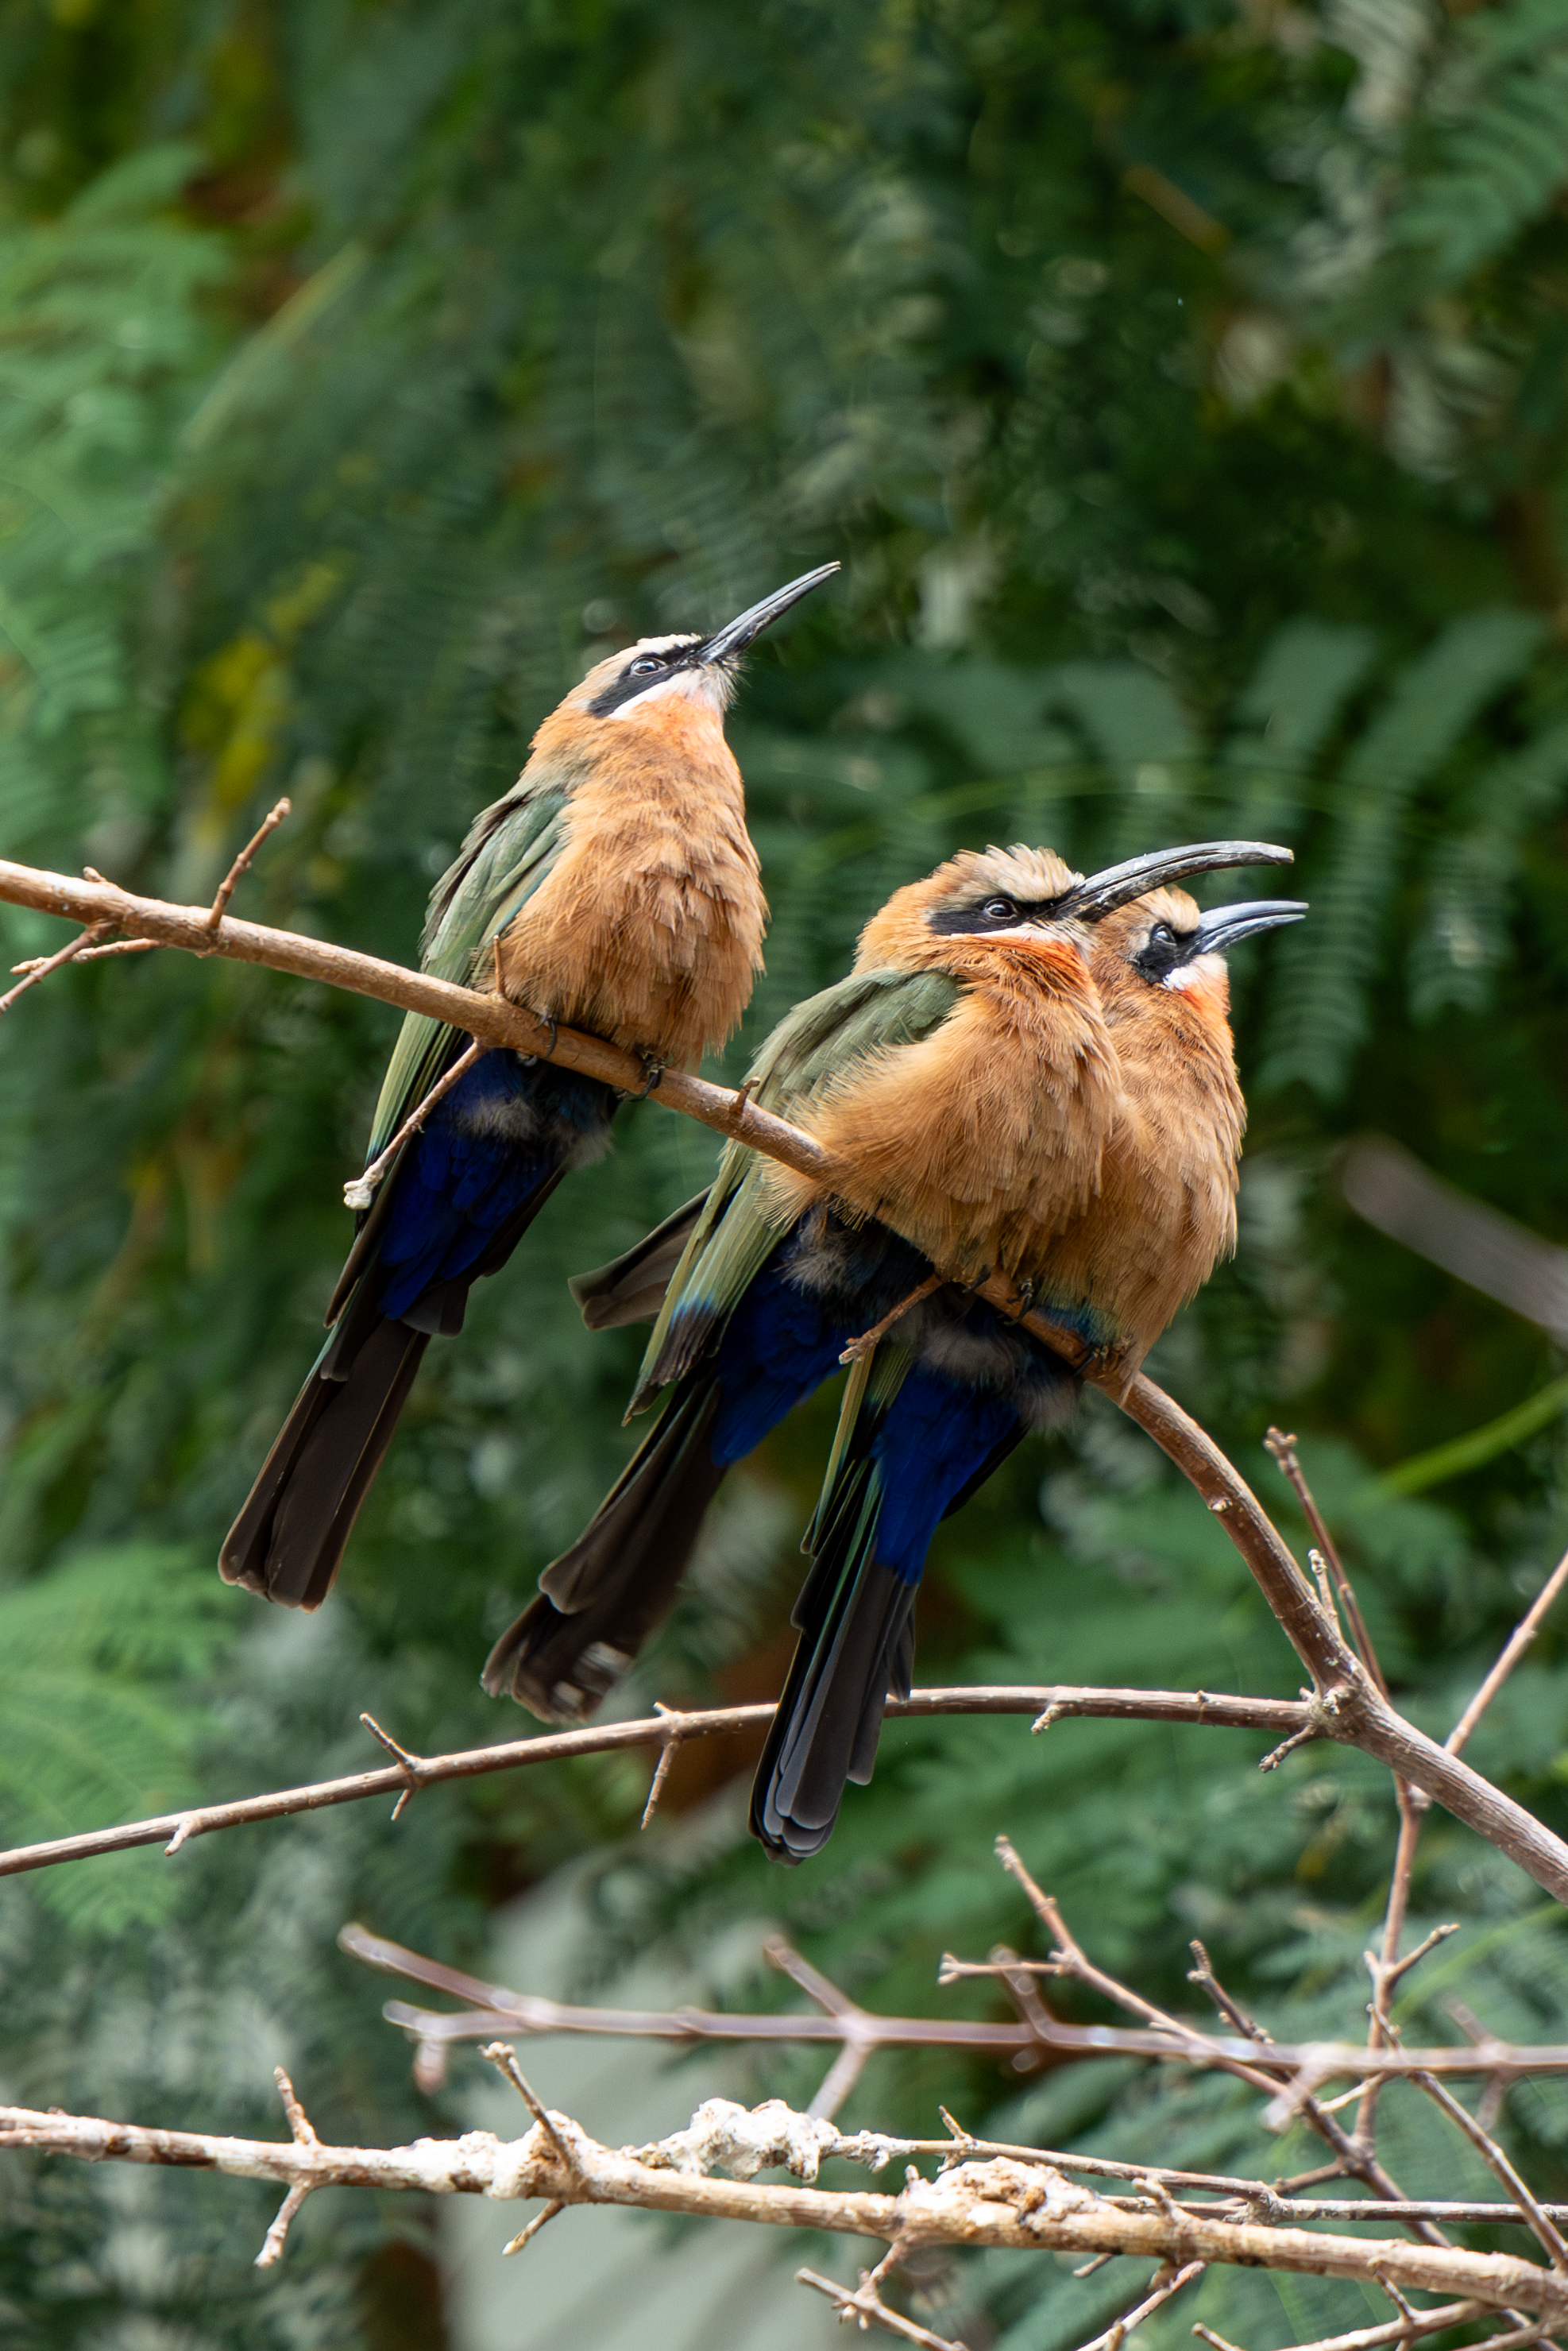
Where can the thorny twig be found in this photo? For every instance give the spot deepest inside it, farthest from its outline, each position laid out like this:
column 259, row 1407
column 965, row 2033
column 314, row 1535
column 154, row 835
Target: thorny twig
column 175, row 1829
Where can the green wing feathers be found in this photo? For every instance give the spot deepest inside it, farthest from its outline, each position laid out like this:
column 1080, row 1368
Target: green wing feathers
column 509, row 852
column 822, row 1037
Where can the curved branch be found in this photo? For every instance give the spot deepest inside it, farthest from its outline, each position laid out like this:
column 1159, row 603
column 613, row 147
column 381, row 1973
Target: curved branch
column 1345, row 1704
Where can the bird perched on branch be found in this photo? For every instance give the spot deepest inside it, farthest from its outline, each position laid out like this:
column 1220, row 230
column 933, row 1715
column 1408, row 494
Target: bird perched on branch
column 990, row 1106
column 615, row 890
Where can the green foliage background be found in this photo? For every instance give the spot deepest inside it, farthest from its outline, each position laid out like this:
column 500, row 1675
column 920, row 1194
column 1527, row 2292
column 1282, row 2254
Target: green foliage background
column 1184, row 386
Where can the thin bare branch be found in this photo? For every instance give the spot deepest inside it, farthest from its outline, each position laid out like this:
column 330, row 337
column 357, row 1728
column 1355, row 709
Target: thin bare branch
column 1546, row 2229
column 174, row 1830
column 503, row 2057
column 1165, row 2283
column 273, row 2242
column 41, row 966
column 661, row 1769
column 493, row 2009
column 1513, row 1648
column 526, row 2234
column 242, row 863
column 867, row 2305
column 1284, row 1449
column 866, row 1343
column 89, row 955
column 359, row 1193
column 1369, row 2338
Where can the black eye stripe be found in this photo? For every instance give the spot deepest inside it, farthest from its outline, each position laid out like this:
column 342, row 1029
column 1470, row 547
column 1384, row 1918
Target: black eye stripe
column 957, row 921
column 1164, row 951
column 634, row 679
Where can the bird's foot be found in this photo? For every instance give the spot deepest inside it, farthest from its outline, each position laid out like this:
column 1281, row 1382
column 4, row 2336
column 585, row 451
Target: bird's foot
column 546, row 1020
column 1023, row 1293
column 653, row 1072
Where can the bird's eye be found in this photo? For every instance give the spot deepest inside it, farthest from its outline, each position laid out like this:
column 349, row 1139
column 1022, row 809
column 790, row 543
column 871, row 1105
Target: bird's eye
column 646, row 665
column 1162, row 936
column 999, row 910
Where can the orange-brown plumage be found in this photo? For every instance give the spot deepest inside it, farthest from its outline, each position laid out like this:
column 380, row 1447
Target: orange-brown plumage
column 1166, row 1211
column 979, row 1141
column 649, row 929
column 614, row 889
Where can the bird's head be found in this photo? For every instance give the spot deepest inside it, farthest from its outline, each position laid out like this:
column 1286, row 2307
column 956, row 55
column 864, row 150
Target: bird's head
column 652, row 679
column 1159, row 946
column 995, row 909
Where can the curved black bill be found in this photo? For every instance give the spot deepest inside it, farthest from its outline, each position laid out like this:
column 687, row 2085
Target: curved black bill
column 1227, row 926
column 1118, row 885
column 735, row 635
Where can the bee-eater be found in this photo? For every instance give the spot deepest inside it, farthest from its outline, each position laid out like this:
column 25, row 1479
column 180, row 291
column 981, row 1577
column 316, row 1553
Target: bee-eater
column 966, row 1078
column 614, row 889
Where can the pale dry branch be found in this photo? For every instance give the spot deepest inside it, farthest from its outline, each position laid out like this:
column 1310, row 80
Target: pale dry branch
column 993, row 2205
column 530, row 2230
column 493, row 2009
column 1345, row 1705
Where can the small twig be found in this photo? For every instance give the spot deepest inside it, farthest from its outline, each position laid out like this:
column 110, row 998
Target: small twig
column 1284, row 1449
column 867, row 2305
column 1319, row 1566
column 241, row 865
column 503, row 2057
column 865, row 1344
column 1406, row 2309
column 41, row 968
column 1276, row 1755
column 299, row 2122
column 89, row 955
column 1202, row 1972
column 359, row 1193
column 412, row 1765
column 273, row 2242
column 535, row 2225
column 1165, row 2283
column 1412, row 1809
column 861, row 2032
column 1395, row 2330
column 666, row 1757
column 1546, row 2229
column 1513, row 1648
column 1390, row 1976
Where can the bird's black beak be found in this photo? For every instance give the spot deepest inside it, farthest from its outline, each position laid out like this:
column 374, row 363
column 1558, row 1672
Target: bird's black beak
column 1118, row 885
column 1227, row 926
column 735, row 635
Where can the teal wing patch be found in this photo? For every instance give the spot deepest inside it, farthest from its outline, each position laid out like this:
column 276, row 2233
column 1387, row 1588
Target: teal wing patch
column 509, row 852
column 818, row 1041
